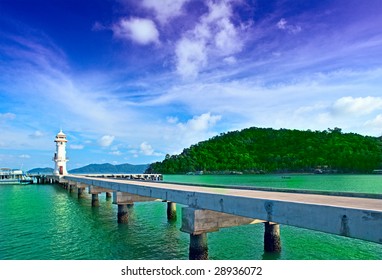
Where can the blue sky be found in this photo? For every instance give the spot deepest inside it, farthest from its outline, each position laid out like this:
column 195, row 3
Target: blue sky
column 131, row 81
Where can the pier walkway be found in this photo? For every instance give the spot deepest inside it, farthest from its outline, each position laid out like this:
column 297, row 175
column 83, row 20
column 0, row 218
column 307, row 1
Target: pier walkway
column 209, row 208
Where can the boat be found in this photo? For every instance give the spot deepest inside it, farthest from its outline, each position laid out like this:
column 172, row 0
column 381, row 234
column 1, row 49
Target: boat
column 14, row 177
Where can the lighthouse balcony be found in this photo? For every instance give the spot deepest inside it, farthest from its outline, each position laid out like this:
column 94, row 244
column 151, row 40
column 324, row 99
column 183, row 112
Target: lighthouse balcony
column 60, row 158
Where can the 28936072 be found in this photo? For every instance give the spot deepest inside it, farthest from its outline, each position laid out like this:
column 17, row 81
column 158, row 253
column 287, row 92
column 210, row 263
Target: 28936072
column 234, row 270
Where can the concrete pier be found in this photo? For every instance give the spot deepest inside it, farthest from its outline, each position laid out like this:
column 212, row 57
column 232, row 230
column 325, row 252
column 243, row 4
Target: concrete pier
column 212, row 208
column 326, row 212
column 80, row 192
column 198, row 222
column 171, row 211
column 123, row 213
column 108, row 195
column 128, row 198
column 272, row 241
column 125, row 201
column 95, row 200
column 198, row 249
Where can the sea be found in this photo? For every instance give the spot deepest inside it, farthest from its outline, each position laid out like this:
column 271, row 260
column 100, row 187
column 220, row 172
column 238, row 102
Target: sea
column 46, row 222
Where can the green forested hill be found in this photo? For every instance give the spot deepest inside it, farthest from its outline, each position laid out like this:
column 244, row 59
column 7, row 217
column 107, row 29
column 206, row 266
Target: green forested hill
column 269, row 150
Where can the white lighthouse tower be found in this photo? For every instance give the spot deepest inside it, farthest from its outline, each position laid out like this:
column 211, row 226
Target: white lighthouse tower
column 60, row 154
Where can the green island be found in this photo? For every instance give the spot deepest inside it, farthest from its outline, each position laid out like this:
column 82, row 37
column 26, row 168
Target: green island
column 266, row 150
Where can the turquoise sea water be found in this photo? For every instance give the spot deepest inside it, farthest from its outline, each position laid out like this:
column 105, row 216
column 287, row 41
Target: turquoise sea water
column 44, row 222
column 337, row 183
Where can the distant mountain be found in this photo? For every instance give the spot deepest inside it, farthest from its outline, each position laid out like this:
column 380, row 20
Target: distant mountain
column 108, row 168
column 46, row 170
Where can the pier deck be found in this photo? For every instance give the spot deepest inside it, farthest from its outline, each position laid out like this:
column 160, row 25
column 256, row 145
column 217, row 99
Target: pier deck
column 347, row 216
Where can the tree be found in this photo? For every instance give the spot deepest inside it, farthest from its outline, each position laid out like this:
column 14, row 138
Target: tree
column 254, row 149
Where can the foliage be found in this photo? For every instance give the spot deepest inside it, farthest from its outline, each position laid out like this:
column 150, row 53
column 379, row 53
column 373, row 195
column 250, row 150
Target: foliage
column 255, row 150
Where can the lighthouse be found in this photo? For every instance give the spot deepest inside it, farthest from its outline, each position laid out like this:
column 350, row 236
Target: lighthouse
column 60, row 154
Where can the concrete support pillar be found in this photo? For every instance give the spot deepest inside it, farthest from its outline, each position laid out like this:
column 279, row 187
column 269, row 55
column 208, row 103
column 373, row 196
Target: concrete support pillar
column 70, row 188
column 95, row 200
column 108, row 195
column 80, row 192
column 197, row 222
column 171, row 211
column 272, row 241
column 198, row 247
column 123, row 214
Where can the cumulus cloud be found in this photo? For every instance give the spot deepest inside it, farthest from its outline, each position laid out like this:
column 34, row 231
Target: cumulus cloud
column 191, row 56
column 290, row 28
column 165, row 9
column 201, row 123
column 140, row 30
column 106, row 140
column 376, row 122
column 183, row 134
column 147, row 150
column 357, row 105
column 215, row 35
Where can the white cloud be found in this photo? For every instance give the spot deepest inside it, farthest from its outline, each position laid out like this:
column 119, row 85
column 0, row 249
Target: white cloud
column 40, row 68
column 147, row 150
column 7, row 116
column 140, row 30
column 201, row 123
column 37, row 134
column 106, row 140
column 172, row 119
column 227, row 39
column 230, row 60
column 309, row 109
column 215, row 35
column 191, row 57
column 76, row 147
column 115, row 153
column 357, row 105
column 282, row 24
column 24, row 156
column 180, row 135
column 376, row 122
column 290, row 28
column 165, row 9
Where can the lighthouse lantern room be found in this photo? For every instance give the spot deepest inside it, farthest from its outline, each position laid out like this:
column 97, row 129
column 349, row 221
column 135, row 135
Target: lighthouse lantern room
column 60, row 154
